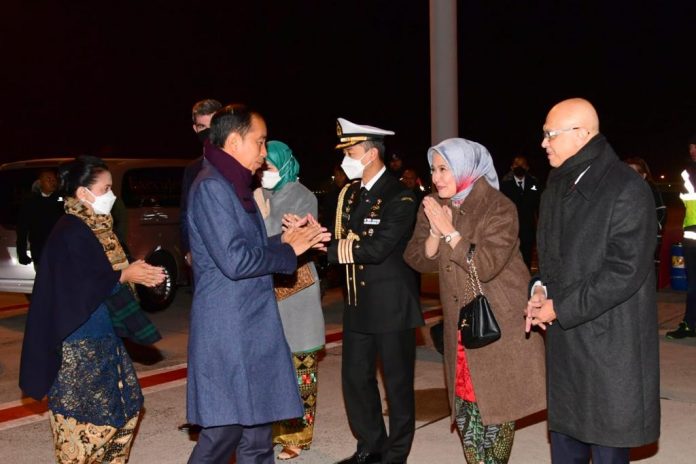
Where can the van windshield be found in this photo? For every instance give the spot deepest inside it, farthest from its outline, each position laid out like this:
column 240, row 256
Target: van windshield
column 15, row 189
column 160, row 186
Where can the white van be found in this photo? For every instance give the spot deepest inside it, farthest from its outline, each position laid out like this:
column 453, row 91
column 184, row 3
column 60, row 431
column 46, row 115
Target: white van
column 149, row 191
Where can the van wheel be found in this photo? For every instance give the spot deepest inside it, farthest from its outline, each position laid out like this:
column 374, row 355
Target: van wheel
column 157, row 298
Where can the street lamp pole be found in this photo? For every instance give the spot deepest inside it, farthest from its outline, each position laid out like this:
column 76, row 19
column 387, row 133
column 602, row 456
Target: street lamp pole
column 444, row 95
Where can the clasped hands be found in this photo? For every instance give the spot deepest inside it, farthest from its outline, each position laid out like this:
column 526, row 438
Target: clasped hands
column 303, row 233
column 539, row 311
column 440, row 217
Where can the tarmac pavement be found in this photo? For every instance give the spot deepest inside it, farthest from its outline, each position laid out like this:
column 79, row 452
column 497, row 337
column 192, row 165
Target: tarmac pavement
column 27, row 439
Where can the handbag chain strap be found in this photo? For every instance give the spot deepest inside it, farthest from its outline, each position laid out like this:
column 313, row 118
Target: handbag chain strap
column 473, row 274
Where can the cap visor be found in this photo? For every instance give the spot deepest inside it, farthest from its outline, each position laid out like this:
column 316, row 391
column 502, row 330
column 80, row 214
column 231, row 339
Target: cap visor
column 348, row 144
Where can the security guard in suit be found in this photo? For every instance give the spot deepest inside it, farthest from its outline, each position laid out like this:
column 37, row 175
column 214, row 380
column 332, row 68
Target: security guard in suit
column 374, row 220
column 525, row 191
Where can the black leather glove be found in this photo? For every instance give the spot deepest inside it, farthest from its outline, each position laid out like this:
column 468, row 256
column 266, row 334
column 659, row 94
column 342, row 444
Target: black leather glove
column 24, row 259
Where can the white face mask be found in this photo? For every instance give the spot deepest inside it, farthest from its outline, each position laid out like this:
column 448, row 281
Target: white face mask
column 102, row 204
column 353, row 168
column 269, row 179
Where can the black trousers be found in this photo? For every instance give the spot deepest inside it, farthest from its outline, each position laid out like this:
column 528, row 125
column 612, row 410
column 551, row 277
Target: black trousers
column 217, row 445
column 527, row 242
column 397, row 352
column 568, row 450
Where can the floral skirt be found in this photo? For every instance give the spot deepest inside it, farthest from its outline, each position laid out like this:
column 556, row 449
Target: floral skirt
column 490, row 444
column 299, row 431
column 84, row 443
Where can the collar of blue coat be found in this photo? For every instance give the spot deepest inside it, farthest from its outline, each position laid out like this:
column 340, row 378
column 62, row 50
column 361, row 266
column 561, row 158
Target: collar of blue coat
column 236, row 174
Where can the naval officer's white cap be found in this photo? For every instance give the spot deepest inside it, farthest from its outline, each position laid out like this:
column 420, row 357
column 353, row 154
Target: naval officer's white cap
column 350, row 133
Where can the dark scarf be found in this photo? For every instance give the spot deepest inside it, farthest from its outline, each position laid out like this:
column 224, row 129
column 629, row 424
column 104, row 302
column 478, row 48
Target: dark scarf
column 236, row 174
column 560, row 184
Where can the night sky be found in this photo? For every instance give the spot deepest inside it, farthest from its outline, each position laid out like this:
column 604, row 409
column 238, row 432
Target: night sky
column 118, row 78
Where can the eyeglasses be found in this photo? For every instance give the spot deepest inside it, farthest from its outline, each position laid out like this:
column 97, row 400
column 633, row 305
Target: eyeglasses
column 552, row 134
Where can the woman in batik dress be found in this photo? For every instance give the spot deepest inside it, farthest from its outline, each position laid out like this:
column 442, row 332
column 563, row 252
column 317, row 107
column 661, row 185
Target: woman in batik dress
column 71, row 351
column 301, row 313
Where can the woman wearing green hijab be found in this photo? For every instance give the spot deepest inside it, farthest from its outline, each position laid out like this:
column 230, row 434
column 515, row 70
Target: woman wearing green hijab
column 301, row 313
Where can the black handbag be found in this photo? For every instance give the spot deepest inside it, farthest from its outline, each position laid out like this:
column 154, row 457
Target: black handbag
column 477, row 323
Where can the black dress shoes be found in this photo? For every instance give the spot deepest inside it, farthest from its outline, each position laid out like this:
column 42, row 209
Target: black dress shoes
column 362, row 457
column 190, row 428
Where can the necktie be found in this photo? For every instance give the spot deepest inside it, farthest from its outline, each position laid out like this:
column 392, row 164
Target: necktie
column 363, row 193
column 519, row 184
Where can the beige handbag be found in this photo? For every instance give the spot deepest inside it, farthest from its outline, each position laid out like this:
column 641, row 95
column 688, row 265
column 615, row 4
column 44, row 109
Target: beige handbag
column 287, row 285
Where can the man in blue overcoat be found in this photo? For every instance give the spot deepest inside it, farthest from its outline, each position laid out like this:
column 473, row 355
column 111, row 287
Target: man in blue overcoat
column 240, row 372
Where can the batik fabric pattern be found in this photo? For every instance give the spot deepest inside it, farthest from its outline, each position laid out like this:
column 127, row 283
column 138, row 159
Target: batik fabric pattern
column 96, row 382
column 95, row 399
column 488, row 444
column 84, row 443
column 300, row 431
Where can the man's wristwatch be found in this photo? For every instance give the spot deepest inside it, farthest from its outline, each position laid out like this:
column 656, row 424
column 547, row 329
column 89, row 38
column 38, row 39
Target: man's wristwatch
column 448, row 238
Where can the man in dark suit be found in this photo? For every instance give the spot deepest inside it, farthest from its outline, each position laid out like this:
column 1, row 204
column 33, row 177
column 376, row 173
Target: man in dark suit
column 412, row 181
column 37, row 217
column 382, row 306
column 525, row 191
column 201, row 114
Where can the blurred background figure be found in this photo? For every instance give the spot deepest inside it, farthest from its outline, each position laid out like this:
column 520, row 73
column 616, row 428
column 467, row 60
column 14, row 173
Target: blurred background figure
column 641, row 167
column 301, row 313
column 37, row 217
column 396, row 166
column 327, row 209
column 201, row 114
column 525, row 191
column 687, row 327
column 412, row 181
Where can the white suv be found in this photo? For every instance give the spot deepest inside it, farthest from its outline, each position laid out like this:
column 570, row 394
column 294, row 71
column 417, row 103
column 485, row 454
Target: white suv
column 149, row 191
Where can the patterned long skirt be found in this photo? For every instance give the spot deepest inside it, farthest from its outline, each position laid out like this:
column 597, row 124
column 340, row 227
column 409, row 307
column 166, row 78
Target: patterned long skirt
column 488, row 444
column 299, row 431
column 83, row 443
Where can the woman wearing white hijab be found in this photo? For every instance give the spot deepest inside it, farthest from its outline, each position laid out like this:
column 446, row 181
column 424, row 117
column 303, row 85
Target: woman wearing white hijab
column 489, row 387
